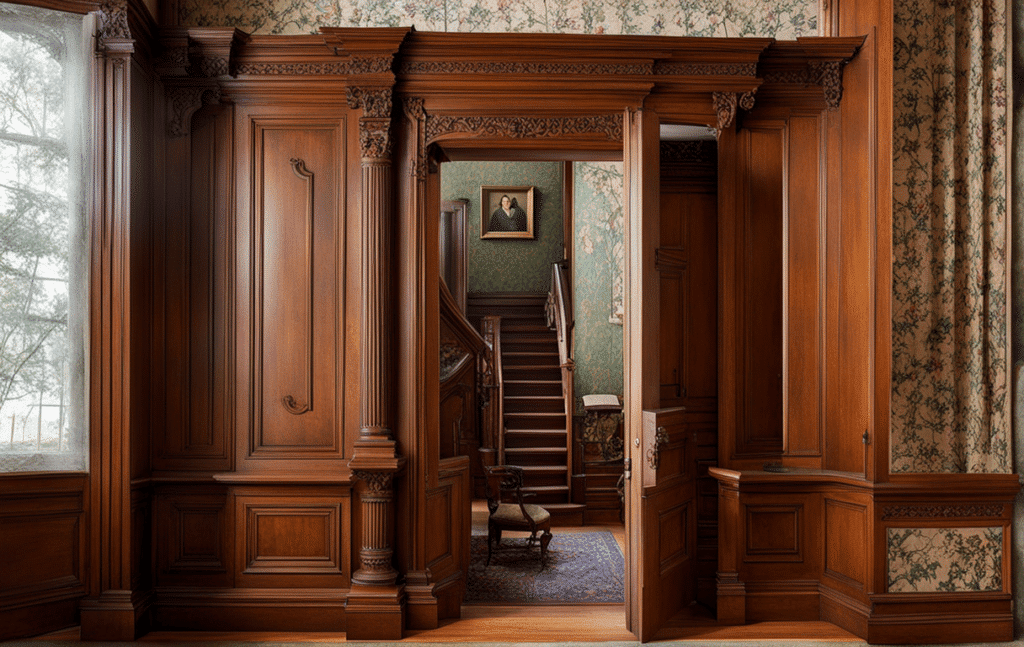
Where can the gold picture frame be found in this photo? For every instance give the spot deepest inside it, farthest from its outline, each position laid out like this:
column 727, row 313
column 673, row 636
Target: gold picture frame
column 511, row 220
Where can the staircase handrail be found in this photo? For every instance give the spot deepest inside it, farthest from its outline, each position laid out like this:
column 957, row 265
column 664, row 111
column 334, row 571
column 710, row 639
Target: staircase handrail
column 559, row 310
column 560, row 317
column 493, row 387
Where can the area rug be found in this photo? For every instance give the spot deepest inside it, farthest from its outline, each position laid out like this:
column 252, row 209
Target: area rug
column 582, row 568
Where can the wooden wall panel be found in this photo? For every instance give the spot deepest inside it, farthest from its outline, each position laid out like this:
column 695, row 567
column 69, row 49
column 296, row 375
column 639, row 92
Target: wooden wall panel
column 292, row 273
column 285, row 539
column 42, row 552
column 192, row 543
column 804, row 288
column 439, row 511
column 847, row 543
column 195, row 307
column 674, row 536
column 761, row 262
column 774, row 533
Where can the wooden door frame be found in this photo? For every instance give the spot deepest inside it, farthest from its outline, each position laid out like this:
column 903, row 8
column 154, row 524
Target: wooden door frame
column 578, row 110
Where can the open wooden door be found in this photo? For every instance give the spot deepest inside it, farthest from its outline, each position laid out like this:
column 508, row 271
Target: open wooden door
column 660, row 510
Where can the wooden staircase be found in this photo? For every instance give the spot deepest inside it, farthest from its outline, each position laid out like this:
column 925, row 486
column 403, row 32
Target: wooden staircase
column 536, row 422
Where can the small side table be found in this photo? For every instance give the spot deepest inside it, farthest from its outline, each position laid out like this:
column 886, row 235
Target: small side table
column 601, row 440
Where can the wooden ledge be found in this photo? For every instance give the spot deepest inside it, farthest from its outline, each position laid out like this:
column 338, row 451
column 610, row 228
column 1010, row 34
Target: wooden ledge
column 792, row 475
column 987, row 487
column 285, row 478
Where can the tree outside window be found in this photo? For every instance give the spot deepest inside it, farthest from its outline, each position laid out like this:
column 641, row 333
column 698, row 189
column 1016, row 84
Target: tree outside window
column 43, row 242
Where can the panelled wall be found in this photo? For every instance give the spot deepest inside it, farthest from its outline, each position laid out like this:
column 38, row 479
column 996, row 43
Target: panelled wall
column 255, row 312
column 827, row 531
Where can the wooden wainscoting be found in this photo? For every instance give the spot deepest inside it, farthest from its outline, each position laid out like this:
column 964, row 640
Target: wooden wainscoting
column 808, row 544
column 42, row 552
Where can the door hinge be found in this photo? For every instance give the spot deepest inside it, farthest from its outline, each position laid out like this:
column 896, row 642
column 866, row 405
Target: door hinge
column 627, row 468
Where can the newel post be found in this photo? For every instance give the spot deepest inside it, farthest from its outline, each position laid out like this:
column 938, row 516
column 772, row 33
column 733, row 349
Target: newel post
column 375, row 607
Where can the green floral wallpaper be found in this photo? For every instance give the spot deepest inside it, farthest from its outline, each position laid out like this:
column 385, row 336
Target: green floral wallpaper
column 923, row 560
column 784, row 19
column 599, row 256
column 950, row 396
column 509, row 265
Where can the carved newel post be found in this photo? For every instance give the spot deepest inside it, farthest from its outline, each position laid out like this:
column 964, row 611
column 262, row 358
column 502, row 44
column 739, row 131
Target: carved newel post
column 375, row 608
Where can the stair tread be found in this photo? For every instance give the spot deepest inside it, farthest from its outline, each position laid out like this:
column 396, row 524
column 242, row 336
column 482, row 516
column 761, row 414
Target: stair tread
column 545, row 488
column 535, row 450
column 544, row 468
column 539, row 432
column 558, row 382
column 533, row 397
column 533, row 414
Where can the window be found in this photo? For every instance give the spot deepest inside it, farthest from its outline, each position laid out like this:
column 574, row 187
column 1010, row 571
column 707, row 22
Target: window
column 45, row 153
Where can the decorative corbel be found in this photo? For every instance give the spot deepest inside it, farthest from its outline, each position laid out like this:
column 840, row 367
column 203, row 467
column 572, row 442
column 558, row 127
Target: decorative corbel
column 725, row 108
column 829, row 75
column 183, row 101
column 192, row 63
column 746, row 100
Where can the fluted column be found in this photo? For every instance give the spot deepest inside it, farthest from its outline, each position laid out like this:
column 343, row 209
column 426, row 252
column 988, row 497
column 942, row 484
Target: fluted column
column 112, row 609
column 375, row 605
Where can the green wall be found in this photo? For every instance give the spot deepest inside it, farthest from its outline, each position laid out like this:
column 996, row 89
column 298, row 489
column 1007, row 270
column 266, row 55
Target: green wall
column 598, row 255
column 513, row 264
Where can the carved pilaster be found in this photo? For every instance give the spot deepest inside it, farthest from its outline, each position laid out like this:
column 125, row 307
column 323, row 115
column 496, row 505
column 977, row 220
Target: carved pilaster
column 725, row 108
column 376, row 552
column 375, row 605
column 415, row 113
column 112, row 610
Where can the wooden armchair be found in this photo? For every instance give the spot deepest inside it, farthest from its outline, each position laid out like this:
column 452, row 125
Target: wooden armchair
column 508, row 512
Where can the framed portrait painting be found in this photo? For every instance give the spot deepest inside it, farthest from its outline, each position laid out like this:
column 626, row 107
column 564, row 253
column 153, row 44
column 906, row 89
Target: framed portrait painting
column 506, row 212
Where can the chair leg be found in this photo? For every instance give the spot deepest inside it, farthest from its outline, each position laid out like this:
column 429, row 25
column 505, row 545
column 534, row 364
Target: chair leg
column 490, row 542
column 545, row 539
column 493, row 540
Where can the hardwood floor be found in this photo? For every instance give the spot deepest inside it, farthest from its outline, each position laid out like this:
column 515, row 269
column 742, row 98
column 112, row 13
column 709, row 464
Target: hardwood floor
column 530, row 624
column 533, row 624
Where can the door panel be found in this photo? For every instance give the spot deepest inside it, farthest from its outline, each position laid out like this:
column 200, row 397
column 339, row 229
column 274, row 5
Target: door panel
column 668, row 517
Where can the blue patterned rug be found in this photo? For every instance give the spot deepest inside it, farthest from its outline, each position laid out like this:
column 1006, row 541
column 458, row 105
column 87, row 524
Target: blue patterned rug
column 582, row 568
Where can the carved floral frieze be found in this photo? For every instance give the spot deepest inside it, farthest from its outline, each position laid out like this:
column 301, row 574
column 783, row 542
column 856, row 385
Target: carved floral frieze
column 520, row 67
column 607, row 126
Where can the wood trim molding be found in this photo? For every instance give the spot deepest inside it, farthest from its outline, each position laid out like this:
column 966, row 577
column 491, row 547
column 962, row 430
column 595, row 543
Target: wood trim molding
column 518, row 127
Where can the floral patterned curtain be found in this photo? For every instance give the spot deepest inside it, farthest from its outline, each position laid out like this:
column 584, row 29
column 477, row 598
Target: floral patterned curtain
column 950, row 393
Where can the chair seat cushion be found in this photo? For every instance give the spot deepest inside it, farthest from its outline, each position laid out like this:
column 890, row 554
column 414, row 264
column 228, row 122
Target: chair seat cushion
column 510, row 513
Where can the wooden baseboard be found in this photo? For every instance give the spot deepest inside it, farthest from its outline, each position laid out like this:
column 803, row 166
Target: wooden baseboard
column 796, row 600
column 375, row 613
column 40, row 618
column 844, row 611
column 116, row 616
column 221, row 609
column 944, row 618
column 428, row 604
